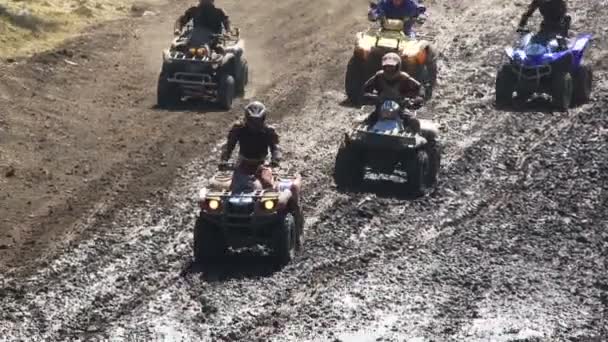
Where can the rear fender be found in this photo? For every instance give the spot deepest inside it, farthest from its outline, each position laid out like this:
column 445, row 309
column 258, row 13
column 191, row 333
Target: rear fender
column 509, row 52
column 579, row 46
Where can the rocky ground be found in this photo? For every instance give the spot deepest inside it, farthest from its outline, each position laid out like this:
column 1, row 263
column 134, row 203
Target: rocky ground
column 98, row 189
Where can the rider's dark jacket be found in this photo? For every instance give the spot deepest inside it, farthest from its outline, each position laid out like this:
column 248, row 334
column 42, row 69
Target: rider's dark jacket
column 403, row 86
column 553, row 12
column 253, row 144
column 207, row 16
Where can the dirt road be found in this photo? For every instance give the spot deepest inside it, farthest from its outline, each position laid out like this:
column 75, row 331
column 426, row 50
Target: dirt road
column 97, row 195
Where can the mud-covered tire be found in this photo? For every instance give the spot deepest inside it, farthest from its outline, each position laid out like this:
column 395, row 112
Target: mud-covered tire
column 167, row 93
column 418, row 172
column 226, row 91
column 428, row 78
column 354, row 80
column 434, row 154
column 284, row 240
column 243, row 78
column 583, row 84
column 208, row 243
column 562, row 90
column 349, row 169
column 504, row 87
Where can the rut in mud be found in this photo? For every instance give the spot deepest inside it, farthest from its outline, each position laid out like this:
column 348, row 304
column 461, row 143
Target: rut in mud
column 510, row 247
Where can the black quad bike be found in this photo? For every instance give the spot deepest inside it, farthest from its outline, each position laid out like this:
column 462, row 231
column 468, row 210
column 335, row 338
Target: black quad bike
column 389, row 144
column 246, row 217
column 214, row 70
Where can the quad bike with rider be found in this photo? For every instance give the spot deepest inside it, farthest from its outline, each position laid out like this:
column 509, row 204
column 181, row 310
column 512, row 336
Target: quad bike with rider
column 545, row 63
column 418, row 56
column 202, row 64
column 250, row 203
column 238, row 210
column 391, row 138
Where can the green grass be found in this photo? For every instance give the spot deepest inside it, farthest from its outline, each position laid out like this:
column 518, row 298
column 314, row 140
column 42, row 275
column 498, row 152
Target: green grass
column 30, row 26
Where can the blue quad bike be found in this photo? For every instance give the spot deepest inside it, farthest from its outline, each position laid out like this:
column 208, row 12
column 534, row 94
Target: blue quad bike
column 538, row 64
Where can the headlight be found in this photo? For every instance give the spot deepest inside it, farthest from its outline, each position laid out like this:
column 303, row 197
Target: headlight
column 421, row 57
column 213, row 204
column 269, row 205
column 201, row 51
column 192, row 51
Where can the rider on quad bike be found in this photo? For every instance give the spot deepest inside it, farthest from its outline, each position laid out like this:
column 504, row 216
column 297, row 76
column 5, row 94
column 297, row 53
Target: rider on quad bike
column 391, row 83
column 256, row 139
column 397, row 9
column 206, row 18
column 556, row 21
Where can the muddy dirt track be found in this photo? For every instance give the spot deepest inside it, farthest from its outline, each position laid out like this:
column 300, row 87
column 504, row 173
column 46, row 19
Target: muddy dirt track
column 97, row 218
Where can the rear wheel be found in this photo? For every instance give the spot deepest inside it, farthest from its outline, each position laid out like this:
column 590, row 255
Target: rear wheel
column 243, row 78
column 354, row 80
column 418, row 172
column 349, row 168
column 285, row 239
column 562, row 90
column 434, row 163
column 167, row 93
column 226, row 91
column 505, row 85
column 209, row 243
column 583, row 83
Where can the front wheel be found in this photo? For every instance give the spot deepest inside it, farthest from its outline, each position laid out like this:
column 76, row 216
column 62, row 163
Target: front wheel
column 226, row 91
column 562, row 90
column 285, row 239
column 209, row 243
column 583, row 83
column 434, row 154
column 418, row 172
column 167, row 93
column 349, row 169
column 505, row 85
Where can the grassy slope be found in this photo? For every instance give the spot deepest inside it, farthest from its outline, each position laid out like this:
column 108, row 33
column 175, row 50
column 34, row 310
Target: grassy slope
column 28, row 26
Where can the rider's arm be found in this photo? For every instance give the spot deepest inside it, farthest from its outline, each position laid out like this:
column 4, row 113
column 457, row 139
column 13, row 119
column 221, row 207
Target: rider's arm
column 225, row 19
column 377, row 12
column 531, row 9
column 410, row 88
column 185, row 18
column 233, row 138
column 371, row 84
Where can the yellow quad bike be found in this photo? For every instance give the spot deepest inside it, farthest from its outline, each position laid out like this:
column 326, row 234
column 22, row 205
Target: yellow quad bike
column 418, row 58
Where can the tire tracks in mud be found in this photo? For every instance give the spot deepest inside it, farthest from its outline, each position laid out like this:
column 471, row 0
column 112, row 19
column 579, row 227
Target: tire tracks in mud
column 449, row 266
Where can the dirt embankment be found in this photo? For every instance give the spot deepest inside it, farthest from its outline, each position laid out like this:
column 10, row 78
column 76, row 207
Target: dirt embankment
column 511, row 247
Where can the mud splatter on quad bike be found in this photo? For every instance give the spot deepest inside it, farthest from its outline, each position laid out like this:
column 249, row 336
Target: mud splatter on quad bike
column 245, row 217
column 214, row 70
column 418, row 58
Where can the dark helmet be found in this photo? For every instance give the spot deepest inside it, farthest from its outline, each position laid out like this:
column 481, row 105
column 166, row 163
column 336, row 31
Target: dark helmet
column 255, row 115
column 391, row 64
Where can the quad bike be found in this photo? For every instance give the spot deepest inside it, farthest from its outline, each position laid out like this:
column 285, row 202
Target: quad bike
column 247, row 216
column 538, row 64
column 215, row 70
column 418, row 57
column 390, row 144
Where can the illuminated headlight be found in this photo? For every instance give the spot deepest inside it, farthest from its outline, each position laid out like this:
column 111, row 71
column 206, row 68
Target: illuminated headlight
column 213, row 204
column 269, row 204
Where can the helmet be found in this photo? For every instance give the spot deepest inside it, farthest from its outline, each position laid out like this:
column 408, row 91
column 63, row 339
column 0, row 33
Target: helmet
column 255, row 115
column 391, row 64
column 389, row 109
